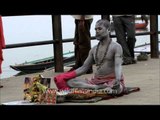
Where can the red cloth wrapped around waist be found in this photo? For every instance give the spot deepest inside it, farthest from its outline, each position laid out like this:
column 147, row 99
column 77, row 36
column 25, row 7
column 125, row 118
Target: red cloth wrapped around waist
column 108, row 79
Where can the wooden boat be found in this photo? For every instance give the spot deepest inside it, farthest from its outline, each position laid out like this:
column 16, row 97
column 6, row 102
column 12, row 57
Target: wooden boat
column 40, row 65
column 145, row 48
column 142, row 25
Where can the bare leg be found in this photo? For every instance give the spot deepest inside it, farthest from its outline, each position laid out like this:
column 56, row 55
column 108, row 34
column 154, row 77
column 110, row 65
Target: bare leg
column 80, row 83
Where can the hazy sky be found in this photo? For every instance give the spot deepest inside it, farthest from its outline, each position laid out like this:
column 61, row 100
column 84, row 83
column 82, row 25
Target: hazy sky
column 19, row 29
column 27, row 28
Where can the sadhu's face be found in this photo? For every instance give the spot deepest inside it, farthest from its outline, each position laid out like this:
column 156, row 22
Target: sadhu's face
column 101, row 31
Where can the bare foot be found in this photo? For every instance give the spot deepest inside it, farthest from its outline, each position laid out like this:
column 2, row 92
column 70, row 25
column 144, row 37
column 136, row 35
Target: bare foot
column 102, row 86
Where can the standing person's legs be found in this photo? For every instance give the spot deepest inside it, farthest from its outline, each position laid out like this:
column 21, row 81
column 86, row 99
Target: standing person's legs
column 77, row 57
column 121, row 39
column 84, row 43
column 76, row 46
column 130, row 29
column 131, row 45
column 0, row 69
column 0, row 83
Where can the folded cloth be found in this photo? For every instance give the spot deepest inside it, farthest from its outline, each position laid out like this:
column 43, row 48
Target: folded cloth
column 61, row 79
column 2, row 43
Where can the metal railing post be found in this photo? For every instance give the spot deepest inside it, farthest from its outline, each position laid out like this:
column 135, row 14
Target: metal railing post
column 154, row 36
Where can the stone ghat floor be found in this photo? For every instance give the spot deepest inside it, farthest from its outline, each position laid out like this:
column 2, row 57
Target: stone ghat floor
column 144, row 74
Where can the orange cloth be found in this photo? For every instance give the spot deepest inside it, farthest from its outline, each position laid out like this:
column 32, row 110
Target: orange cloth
column 2, row 43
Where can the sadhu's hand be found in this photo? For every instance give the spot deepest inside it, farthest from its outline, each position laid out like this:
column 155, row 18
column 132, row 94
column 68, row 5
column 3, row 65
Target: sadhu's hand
column 116, row 84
